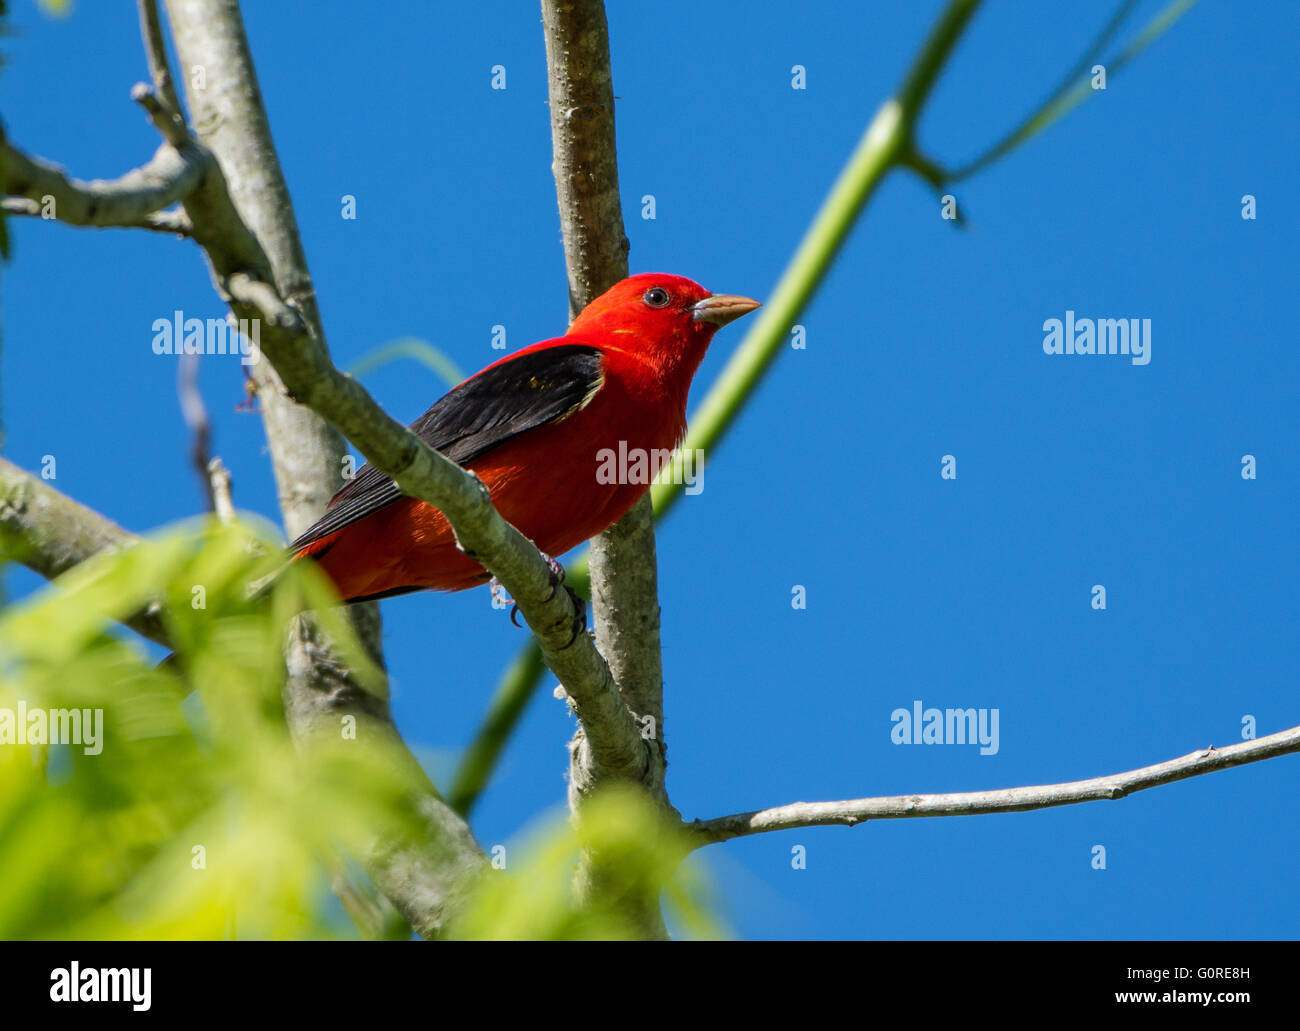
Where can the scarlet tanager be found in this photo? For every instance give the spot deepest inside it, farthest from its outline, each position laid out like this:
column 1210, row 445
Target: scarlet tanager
column 531, row 427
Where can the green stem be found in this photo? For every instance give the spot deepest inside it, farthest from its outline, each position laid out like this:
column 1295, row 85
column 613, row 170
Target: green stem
column 504, row 712
column 1077, row 86
column 409, row 347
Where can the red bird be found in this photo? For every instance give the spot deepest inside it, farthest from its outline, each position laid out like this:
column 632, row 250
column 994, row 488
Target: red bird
column 531, row 427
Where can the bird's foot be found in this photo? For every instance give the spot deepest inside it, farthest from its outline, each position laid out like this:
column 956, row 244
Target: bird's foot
column 557, row 581
column 557, row 574
column 579, row 619
column 500, row 599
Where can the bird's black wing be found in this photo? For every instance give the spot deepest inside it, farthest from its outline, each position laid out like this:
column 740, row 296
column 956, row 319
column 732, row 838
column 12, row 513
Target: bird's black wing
column 499, row 403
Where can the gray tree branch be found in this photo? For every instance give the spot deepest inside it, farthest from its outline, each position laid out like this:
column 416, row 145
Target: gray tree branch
column 624, row 572
column 137, row 198
column 210, row 39
column 1005, row 800
column 251, row 237
column 50, row 533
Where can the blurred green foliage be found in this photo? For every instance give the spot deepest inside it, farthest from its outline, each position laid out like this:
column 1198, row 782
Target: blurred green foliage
column 638, row 852
column 189, row 818
column 191, row 813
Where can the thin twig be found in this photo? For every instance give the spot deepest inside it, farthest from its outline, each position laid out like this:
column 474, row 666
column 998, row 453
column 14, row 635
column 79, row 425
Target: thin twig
column 1076, row 86
column 173, row 221
column 195, row 414
column 155, row 50
column 219, row 483
column 168, row 123
column 1006, row 800
column 134, row 199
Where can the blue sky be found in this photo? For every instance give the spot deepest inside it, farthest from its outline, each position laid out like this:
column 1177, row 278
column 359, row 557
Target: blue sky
column 924, row 341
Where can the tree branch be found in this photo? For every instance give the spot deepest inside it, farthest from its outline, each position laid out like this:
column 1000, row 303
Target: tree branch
column 251, row 239
column 210, row 34
column 886, row 139
column 624, row 582
column 1005, row 800
column 195, row 414
column 223, row 504
column 134, row 199
column 623, row 567
column 173, row 222
column 155, row 52
column 581, row 93
column 50, row 533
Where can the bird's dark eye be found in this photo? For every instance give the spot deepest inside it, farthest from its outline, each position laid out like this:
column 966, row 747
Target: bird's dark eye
column 657, row 297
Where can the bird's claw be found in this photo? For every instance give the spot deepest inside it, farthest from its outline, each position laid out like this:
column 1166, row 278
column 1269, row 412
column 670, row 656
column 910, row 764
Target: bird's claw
column 557, row 574
column 501, row 599
column 579, row 619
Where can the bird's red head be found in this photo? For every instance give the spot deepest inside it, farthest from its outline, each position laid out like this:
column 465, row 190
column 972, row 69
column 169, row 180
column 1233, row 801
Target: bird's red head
column 670, row 319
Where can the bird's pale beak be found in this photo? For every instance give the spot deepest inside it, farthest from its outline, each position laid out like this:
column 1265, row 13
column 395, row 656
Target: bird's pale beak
column 723, row 308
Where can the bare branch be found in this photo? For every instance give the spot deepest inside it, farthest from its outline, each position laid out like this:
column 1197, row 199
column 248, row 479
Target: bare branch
column 168, row 123
column 581, row 93
column 135, row 199
column 625, row 596
column 50, row 533
column 222, row 502
column 155, row 51
column 624, row 573
column 251, row 239
column 624, row 581
column 1005, row 800
column 209, row 33
column 173, row 221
